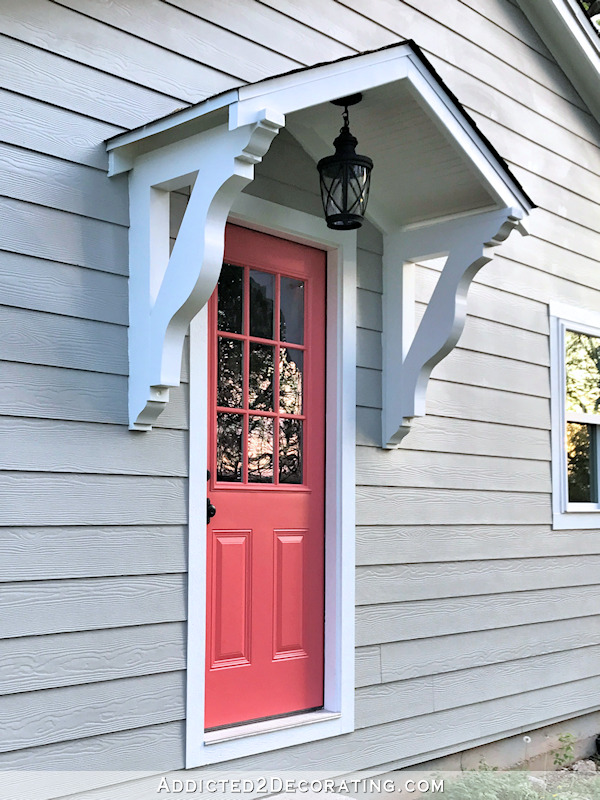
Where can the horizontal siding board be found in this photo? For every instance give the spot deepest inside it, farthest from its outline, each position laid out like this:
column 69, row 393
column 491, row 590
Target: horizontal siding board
column 548, row 175
column 62, row 185
column 487, row 405
column 411, row 544
column 55, row 393
column 549, row 230
column 77, row 712
column 538, row 104
column 35, row 337
column 485, row 336
column 63, row 289
column 369, row 238
column 378, row 704
column 60, row 236
column 88, row 604
column 421, row 619
column 399, row 741
column 445, row 434
column 369, row 270
column 536, row 117
column 478, row 438
column 368, row 310
column 368, row 387
column 58, row 552
column 342, row 24
column 462, row 651
column 368, row 349
column 279, row 192
column 494, row 372
column 498, row 296
column 78, row 447
column 59, row 81
column 395, row 583
column 449, row 471
column 294, row 40
column 114, row 758
column 493, row 338
column 66, row 499
column 385, row 703
column 26, row 122
column 189, row 36
column 548, row 133
column 368, row 666
column 458, row 24
column 531, row 73
column 29, row 663
column 67, row 33
column 510, row 19
column 388, row 506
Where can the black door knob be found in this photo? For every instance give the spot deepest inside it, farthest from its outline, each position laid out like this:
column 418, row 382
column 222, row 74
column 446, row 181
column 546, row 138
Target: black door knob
column 210, row 510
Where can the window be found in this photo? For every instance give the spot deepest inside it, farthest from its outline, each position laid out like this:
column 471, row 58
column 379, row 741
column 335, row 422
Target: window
column 575, row 347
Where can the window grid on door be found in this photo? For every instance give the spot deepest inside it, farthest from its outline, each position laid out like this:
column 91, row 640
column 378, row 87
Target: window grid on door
column 261, row 365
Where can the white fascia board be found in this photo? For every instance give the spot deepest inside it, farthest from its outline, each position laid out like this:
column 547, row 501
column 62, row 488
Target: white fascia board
column 571, row 39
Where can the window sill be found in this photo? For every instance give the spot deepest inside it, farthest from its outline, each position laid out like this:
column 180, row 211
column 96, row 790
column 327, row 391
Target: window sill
column 577, row 518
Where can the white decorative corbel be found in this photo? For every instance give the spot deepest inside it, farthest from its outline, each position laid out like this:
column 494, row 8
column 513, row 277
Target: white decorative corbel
column 166, row 292
column 408, row 360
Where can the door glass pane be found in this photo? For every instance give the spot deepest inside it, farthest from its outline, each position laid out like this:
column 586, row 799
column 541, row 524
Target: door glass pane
column 229, row 446
column 262, row 369
column 291, row 322
column 583, row 372
column 230, row 392
column 291, row 365
column 231, row 294
column 262, row 293
column 580, row 461
column 260, row 449
column 290, row 451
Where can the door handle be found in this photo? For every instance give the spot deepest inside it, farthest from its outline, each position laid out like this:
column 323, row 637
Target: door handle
column 210, row 510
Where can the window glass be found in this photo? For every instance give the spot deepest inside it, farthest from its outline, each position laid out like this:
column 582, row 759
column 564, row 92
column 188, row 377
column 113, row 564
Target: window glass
column 580, row 463
column 582, row 353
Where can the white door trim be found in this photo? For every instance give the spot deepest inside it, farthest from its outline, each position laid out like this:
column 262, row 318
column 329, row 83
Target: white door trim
column 338, row 714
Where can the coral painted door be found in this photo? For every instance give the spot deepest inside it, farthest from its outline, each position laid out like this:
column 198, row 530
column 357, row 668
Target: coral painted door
column 265, row 546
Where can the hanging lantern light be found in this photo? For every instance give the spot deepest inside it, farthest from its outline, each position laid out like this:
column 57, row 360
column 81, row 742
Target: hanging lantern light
column 345, row 177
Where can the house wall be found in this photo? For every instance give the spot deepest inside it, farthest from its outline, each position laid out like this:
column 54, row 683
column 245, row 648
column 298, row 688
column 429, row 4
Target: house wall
column 474, row 619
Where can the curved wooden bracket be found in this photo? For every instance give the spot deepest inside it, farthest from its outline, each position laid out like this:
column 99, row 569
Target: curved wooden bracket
column 166, row 292
column 407, row 365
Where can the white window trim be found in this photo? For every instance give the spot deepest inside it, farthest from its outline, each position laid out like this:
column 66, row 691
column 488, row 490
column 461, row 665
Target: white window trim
column 566, row 515
column 338, row 714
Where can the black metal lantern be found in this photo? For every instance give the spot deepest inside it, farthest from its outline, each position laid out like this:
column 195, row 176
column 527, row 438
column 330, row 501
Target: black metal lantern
column 345, row 177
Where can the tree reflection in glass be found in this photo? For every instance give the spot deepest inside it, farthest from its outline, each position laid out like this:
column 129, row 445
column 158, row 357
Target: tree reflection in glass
column 229, row 446
column 260, row 449
column 231, row 295
column 262, row 369
column 580, row 461
column 290, row 451
column 583, row 372
column 262, row 293
column 291, row 364
column 291, row 316
column 229, row 380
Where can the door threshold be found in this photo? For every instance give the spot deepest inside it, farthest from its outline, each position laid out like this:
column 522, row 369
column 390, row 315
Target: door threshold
column 267, row 725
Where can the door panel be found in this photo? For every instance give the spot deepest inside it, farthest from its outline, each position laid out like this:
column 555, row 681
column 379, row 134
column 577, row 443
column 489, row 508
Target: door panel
column 265, row 576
